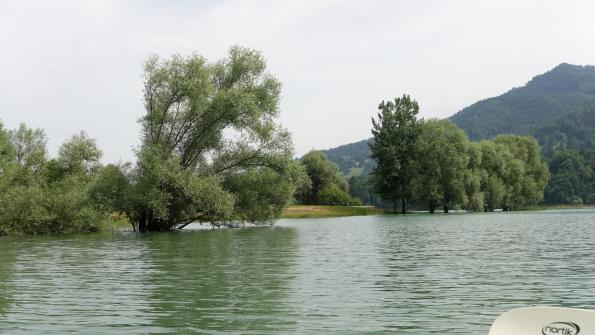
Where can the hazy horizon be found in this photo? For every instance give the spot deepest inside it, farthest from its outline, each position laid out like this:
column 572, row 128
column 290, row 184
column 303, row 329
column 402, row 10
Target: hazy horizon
column 68, row 66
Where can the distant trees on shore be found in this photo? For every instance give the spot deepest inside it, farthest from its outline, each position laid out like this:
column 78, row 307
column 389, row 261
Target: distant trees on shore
column 325, row 184
column 431, row 163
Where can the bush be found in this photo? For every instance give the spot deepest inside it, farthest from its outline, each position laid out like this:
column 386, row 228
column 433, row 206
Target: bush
column 38, row 209
column 45, row 197
column 333, row 196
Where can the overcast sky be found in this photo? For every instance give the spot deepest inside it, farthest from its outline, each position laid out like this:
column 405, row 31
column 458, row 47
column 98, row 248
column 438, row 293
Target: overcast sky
column 76, row 65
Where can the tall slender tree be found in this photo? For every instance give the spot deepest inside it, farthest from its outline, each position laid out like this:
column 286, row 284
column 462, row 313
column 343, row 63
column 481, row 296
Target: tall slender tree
column 393, row 146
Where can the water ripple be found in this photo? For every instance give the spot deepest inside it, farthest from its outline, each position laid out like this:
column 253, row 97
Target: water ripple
column 422, row 274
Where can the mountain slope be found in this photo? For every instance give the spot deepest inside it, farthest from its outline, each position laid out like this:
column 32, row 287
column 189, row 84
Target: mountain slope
column 545, row 99
column 350, row 156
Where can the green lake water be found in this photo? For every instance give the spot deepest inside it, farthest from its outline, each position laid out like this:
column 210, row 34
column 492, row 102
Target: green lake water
column 418, row 274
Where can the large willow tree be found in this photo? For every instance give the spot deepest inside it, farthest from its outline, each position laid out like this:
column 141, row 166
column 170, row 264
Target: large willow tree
column 211, row 149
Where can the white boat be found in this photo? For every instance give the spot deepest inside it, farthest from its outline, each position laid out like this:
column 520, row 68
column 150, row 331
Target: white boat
column 545, row 321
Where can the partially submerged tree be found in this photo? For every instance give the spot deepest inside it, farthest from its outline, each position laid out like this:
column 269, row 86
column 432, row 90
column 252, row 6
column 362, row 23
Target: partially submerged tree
column 527, row 172
column 211, row 149
column 441, row 159
column 395, row 133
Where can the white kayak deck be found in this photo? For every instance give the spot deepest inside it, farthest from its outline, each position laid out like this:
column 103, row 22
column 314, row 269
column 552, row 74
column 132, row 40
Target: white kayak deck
column 545, row 321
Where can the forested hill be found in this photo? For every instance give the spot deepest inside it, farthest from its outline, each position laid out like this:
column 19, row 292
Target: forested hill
column 557, row 107
column 351, row 158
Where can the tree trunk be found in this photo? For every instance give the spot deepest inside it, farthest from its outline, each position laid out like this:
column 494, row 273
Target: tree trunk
column 432, row 206
column 403, row 208
column 445, row 203
column 142, row 222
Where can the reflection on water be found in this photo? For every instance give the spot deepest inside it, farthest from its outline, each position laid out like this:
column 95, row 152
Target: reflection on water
column 213, row 281
column 429, row 274
column 7, row 253
column 79, row 283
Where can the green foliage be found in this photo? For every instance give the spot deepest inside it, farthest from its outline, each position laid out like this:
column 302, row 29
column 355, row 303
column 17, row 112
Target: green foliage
column 395, row 133
column 29, row 147
column 7, row 162
column 473, row 176
column 39, row 196
column 332, row 195
column 527, row 174
column 572, row 181
column 362, row 188
column 441, row 159
column 211, row 150
column 447, row 170
column 326, row 184
column 110, row 189
column 263, row 193
column 493, row 159
column 80, row 155
column 574, row 130
column 41, row 209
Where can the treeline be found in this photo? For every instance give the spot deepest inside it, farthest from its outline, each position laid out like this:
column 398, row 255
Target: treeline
column 432, row 164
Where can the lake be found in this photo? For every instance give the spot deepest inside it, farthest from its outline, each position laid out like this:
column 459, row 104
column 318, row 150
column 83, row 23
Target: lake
column 416, row 274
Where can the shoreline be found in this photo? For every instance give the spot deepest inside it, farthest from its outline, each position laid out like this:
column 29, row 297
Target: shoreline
column 319, row 211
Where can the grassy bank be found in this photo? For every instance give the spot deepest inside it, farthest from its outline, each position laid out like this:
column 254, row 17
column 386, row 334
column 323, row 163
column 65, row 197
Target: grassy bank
column 297, row 212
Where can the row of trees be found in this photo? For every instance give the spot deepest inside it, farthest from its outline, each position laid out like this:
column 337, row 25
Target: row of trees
column 433, row 164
